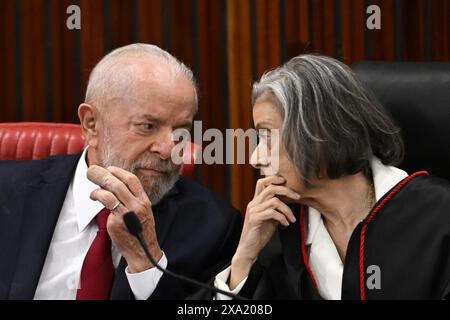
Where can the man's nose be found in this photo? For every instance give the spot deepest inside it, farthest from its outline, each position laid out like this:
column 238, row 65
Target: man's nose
column 163, row 145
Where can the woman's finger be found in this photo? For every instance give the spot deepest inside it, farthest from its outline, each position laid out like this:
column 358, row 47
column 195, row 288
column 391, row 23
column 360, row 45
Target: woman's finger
column 273, row 190
column 277, row 204
column 271, row 214
column 263, row 183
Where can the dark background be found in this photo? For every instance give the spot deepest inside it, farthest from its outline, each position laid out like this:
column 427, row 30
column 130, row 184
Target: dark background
column 228, row 43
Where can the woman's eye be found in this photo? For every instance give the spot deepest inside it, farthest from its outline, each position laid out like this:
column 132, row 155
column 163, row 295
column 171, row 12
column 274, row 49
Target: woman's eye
column 263, row 137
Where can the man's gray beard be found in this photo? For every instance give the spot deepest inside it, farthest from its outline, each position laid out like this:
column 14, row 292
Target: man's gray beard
column 155, row 187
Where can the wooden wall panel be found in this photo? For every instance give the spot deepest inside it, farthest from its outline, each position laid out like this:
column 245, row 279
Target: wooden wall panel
column 66, row 87
column 55, row 67
column 297, row 28
column 414, row 30
column 267, row 35
column 440, row 30
column 9, row 103
column 32, row 56
column 150, row 22
column 120, row 23
column 323, row 29
column 240, row 74
column 92, row 36
column 353, row 30
column 383, row 41
column 181, row 24
column 212, row 58
column 44, row 67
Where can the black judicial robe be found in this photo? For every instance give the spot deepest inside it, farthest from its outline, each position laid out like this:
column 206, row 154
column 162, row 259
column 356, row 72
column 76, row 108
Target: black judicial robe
column 407, row 235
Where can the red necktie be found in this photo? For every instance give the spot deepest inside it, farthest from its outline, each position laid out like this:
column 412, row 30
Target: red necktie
column 97, row 272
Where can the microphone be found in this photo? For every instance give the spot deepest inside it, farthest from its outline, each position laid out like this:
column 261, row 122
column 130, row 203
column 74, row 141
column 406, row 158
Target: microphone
column 135, row 228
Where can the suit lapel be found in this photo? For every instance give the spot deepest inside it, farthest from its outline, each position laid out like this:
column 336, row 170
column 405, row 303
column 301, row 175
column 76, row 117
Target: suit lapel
column 43, row 202
column 165, row 213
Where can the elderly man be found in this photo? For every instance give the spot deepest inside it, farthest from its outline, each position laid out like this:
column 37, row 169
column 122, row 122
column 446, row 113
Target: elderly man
column 62, row 234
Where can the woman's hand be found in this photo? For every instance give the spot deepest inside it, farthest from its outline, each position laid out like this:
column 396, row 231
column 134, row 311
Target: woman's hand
column 264, row 213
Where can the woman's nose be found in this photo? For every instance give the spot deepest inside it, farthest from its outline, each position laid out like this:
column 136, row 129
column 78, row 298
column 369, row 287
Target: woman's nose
column 259, row 158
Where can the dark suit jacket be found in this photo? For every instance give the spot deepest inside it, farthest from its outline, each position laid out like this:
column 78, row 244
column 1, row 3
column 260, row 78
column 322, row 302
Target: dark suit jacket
column 197, row 229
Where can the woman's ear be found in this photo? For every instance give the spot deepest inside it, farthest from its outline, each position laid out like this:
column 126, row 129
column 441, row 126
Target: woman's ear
column 88, row 118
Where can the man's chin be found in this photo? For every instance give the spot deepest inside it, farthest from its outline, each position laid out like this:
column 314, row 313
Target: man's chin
column 157, row 187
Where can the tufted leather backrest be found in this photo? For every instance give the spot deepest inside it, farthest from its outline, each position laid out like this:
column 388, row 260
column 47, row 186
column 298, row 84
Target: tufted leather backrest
column 35, row 140
column 417, row 95
column 38, row 140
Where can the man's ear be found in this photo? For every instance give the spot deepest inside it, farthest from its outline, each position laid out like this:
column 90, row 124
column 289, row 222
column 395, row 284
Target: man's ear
column 88, row 115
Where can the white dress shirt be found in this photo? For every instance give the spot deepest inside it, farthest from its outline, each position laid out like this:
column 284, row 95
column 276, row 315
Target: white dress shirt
column 324, row 258
column 73, row 235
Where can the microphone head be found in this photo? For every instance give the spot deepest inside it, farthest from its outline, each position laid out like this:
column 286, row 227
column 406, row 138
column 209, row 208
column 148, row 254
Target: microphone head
column 132, row 222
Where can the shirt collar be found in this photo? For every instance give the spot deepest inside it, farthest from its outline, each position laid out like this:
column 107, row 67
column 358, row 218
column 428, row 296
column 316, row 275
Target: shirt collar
column 384, row 179
column 85, row 208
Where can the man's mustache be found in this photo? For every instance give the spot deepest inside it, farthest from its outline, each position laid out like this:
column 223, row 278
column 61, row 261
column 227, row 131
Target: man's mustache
column 164, row 166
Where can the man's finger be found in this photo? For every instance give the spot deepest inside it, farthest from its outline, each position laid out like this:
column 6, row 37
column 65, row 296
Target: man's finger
column 130, row 180
column 108, row 200
column 96, row 174
column 109, row 182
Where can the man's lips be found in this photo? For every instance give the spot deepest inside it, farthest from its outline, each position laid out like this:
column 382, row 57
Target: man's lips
column 151, row 172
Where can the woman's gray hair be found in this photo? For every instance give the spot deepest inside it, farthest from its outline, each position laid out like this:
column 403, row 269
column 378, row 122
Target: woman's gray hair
column 332, row 125
column 115, row 77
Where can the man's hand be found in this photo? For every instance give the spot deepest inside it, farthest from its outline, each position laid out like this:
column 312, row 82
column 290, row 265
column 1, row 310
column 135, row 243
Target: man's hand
column 264, row 213
column 120, row 186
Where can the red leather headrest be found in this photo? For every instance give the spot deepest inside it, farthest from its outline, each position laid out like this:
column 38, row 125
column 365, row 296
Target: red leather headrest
column 38, row 140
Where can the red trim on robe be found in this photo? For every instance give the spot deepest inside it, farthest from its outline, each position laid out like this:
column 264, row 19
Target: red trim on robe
column 393, row 192
column 377, row 208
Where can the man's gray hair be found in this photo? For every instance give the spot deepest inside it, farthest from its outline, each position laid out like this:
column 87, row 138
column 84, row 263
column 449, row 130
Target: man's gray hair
column 114, row 77
column 332, row 125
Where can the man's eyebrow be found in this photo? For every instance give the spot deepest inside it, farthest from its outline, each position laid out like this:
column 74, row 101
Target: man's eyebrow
column 187, row 125
column 149, row 117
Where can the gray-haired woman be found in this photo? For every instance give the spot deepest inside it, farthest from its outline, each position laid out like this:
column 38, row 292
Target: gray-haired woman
column 338, row 220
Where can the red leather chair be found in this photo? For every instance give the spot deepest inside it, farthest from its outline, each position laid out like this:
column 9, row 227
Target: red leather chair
column 38, row 140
